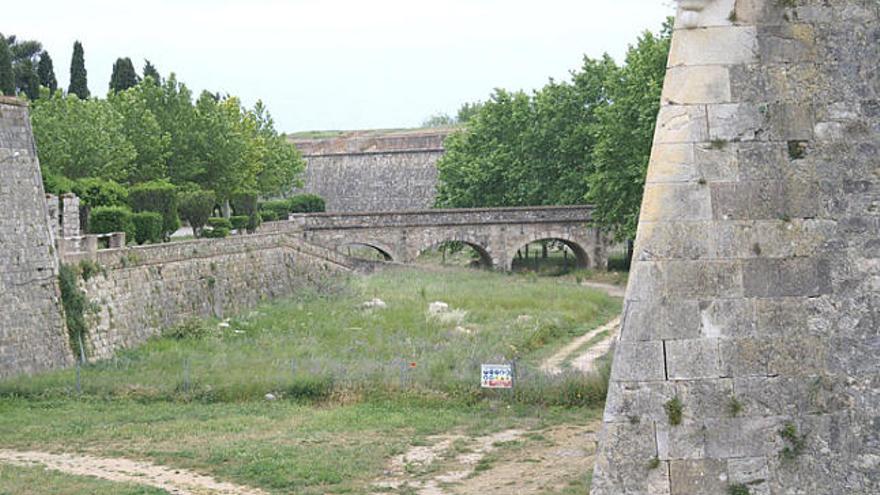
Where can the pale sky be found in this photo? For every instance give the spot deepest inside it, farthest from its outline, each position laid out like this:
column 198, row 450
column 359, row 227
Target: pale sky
column 339, row 64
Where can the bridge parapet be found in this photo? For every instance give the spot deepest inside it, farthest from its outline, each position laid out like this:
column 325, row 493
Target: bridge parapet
column 445, row 217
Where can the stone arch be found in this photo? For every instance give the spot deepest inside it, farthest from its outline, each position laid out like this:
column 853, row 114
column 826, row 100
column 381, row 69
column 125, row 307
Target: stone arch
column 486, row 258
column 387, row 253
column 581, row 255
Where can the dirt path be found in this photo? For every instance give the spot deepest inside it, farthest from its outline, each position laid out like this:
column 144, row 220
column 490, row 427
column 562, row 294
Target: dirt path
column 511, row 461
column 174, row 481
column 553, row 364
column 610, row 289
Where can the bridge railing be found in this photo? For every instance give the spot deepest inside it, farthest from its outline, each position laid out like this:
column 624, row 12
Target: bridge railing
column 440, row 217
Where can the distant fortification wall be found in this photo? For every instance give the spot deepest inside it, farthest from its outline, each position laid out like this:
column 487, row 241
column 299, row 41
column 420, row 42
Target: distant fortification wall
column 749, row 358
column 374, row 171
column 32, row 331
column 141, row 290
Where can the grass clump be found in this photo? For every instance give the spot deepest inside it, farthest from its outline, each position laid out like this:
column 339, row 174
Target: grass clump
column 734, row 406
column 738, row 489
column 674, row 411
column 795, row 443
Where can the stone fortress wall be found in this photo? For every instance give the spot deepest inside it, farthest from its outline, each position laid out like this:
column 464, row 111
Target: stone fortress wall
column 141, row 290
column 32, row 331
column 753, row 305
column 374, row 170
column 137, row 290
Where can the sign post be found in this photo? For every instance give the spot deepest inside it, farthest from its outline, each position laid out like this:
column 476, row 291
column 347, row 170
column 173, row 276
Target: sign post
column 496, row 376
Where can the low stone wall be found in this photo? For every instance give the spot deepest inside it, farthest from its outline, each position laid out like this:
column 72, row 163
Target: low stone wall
column 139, row 291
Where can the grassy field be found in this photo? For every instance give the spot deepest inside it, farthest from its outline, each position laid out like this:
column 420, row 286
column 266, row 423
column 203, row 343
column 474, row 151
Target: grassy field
column 354, row 385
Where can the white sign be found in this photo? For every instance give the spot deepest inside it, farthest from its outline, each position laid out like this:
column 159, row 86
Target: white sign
column 496, row 376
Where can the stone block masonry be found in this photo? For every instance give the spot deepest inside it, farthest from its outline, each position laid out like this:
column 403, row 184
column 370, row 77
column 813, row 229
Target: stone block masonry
column 754, row 296
column 374, row 171
column 139, row 291
column 32, row 332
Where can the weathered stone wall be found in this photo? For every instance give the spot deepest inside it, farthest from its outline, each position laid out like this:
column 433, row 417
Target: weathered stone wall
column 32, row 332
column 374, row 172
column 754, row 297
column 141, row 290
column 495, row 233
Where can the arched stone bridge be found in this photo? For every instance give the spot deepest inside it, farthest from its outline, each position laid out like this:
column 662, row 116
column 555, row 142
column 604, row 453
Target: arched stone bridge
column 495, row 233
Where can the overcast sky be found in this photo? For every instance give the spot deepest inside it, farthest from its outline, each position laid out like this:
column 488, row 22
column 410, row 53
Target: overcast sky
column 340, row 64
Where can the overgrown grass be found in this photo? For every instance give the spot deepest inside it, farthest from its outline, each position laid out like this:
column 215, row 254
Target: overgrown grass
column 355, row 386
column 318, row 348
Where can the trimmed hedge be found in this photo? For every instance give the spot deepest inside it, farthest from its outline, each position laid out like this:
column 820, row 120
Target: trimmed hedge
column 268, row 216
column 306, row 203
column 94, row 192
column 244, row 203
column 147, row 227
column 239, row 222
column 280, row 207
column 109, row 219
column 159, row 196
column 196, row 207
column 220, row 227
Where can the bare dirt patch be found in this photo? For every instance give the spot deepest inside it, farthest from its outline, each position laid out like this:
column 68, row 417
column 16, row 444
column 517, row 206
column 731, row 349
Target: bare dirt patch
column 511, row 461
column 174, row 481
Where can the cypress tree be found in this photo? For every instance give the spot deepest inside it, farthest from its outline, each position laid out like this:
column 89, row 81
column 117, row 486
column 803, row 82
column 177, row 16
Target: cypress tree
column 7, row 77
column 46, row 72
column 123, row 76
column 151, row 71
column 78, row 79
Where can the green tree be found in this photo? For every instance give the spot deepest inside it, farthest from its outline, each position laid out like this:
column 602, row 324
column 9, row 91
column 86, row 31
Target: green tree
column 439, row 120
column 467, row 112
column 195, row 206
column 78, row 77
column 27, row 80
column 46, row 72
column 624, row 135
column 82, row 138
column 152, row 144
column 280, row 163
column 7, row 76
column 124, row 76
column 151, row 71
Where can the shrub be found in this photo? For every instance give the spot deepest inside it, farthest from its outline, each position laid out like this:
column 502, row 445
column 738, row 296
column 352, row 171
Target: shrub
column 196, row 206
column 268, row 216
column 159, row 196
column 244, row 203
column 191, row 329
column 306, row 203
column 220, row 228
column 280, row 207
column 239, row 222
column 56, row 184
column 94, row 192
column 108, row 219
column 147, row 227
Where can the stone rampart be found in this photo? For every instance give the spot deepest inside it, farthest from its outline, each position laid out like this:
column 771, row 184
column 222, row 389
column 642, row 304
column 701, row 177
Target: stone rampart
column 32, row 331
column 749, row 356
column 374, row 172
column 138, row 291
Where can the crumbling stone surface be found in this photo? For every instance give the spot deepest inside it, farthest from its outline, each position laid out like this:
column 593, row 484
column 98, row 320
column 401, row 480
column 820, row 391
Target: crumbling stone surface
column 32, row 332
column 754, row 297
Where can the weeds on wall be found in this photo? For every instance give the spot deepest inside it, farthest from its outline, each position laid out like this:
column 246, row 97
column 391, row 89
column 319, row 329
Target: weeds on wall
column 73, row 299
column 795, row 442
column 674, row 411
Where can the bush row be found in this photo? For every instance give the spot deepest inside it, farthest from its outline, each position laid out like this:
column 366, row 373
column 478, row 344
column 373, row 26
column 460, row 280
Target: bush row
column 111, row 207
